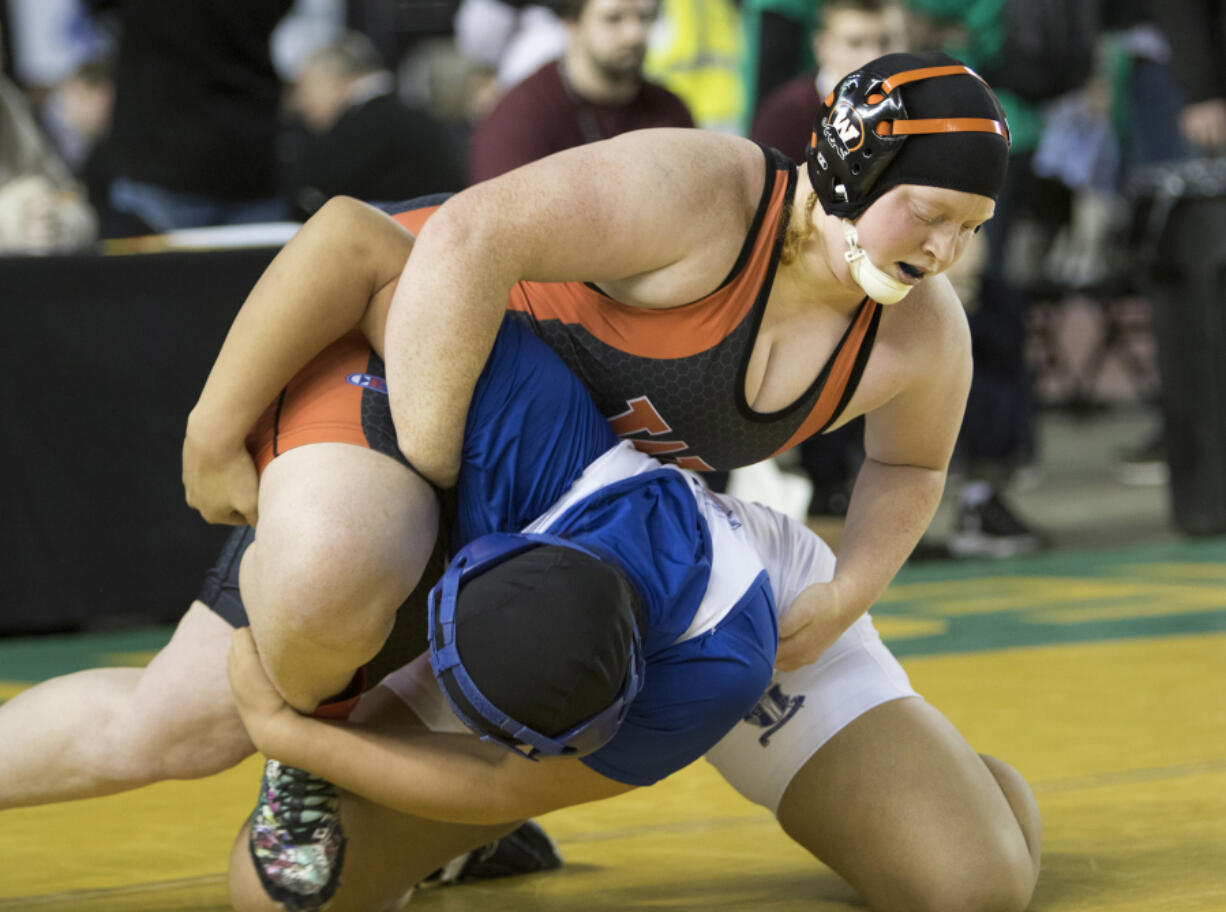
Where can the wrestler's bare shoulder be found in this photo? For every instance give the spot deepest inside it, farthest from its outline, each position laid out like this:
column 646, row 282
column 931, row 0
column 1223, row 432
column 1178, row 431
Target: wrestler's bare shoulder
column 701, row 157
column 683, row 174
column 930, row 320
column 922, row 343
column 663, row 210
column 679, row 168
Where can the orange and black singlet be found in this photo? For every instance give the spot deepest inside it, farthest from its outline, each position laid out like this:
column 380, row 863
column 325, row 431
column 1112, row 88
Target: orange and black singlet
column 673, row 381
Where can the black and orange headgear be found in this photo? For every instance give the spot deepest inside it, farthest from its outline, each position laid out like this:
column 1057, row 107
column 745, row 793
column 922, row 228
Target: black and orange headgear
column 907, row 119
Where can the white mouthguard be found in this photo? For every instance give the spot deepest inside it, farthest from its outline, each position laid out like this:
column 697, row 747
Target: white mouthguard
column 877, row 284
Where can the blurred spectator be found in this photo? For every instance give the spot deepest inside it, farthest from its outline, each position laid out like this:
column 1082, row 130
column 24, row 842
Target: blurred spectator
column 1184, row 203
column 1080, row 149
column 509, row 40
column 308, row 26
column 776, row 47
column 196, row 112
column 1149, row 90
column 48, row 39
column 361, row 139
column 436, row 76
column 998, row 430
column 849, row 33
column 1145, row 114
column 42, row 209
column 78, row 115
column 1198, row 29
column 595, row 91
column 694, row 51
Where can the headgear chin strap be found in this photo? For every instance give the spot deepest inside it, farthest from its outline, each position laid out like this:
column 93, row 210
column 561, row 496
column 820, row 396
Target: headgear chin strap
column 468, row 702
column 876, row 283
column 862, row 139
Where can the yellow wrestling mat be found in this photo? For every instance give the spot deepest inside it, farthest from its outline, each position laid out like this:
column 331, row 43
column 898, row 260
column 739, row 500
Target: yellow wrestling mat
column 1119, row 723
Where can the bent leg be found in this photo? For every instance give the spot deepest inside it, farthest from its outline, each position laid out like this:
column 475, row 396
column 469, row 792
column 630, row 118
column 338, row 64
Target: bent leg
column 104, row 730
column 343, row 537
column 387, row 854
column 904, row 809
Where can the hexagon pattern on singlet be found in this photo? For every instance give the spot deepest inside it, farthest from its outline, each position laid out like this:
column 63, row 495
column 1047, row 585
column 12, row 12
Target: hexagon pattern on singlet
column 377, row 415
column 696, row 396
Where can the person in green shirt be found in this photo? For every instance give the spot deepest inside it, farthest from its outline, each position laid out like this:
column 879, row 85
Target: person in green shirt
column 998, row 430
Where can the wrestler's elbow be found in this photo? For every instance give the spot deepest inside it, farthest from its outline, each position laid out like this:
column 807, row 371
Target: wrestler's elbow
column 339, row 216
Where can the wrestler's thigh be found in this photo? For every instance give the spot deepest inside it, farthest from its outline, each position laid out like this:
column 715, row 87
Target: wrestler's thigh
column 338, row 520
column 901, row 806
column 182, row 700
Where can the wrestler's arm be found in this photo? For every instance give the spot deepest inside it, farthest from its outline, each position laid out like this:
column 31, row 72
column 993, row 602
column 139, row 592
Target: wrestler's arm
column 455, row 778
column 908, row 442
column 642, row 204
column 335, row 274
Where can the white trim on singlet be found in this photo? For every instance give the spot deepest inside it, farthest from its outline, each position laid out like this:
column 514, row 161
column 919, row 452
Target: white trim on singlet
column 620, row 461
column 795, row 557
column 735, row 562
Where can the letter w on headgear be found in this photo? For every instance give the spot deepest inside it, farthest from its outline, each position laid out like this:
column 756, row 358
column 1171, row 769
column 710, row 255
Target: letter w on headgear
column 846, row 129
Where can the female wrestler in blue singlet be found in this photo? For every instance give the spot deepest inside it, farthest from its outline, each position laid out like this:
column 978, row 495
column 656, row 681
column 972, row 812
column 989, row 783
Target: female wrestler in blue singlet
column 631, row 629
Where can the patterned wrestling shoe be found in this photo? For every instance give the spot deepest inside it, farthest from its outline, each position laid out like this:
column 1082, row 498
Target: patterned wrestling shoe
column 296, row 842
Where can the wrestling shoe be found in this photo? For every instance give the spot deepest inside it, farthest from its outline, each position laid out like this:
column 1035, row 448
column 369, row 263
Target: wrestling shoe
column 1145, row 464
column 525, row 850
column 296, row 841
column 991, row 529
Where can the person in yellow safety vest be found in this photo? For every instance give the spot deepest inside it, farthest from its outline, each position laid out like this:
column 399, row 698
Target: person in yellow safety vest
column 695, row 52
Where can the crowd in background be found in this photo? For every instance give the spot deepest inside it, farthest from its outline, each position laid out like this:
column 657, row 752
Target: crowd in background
column 121, row 118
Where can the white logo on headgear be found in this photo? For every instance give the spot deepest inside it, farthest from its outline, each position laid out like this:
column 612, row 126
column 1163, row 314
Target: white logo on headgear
column 846, row 129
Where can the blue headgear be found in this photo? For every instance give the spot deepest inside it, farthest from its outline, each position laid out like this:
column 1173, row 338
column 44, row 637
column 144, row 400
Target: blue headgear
column 595, row 596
